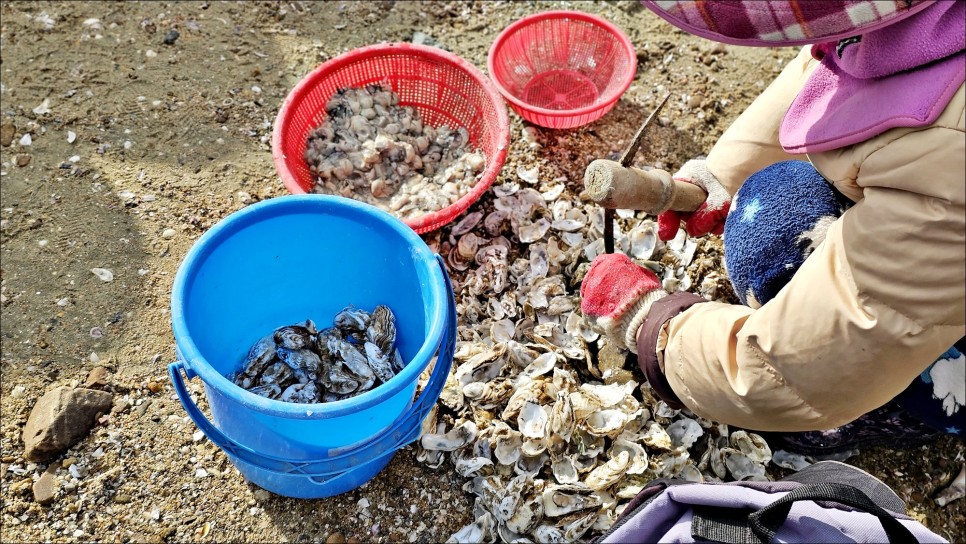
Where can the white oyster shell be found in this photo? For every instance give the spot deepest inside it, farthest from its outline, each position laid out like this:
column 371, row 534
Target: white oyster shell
column 742, row 467
column 608, row 423
column 657, row 437
column 643, row 240
column 564, row 471
column 532, row 420
column 638, row 455
column 752, row 445
column 460, row 436
column 560, row 500
column 609, row 473
column 684, row 432
column 789, row 460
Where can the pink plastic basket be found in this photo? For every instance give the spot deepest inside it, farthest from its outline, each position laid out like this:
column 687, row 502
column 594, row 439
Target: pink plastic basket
column 445, row 89
column 562, row 69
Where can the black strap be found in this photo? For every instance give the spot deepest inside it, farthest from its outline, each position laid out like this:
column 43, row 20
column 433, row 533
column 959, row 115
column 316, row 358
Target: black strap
column 838, row 472
column 722, row 524
column 766, row 521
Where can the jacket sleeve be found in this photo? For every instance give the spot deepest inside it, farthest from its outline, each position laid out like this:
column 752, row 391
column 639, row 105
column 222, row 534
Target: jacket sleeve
column 751, row 142
column 878, row 301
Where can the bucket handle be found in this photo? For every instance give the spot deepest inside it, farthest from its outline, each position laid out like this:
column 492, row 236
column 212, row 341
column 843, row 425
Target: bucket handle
column 406, row 428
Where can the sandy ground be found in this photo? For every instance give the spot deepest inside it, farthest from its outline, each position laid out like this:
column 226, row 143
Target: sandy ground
column 170, row 138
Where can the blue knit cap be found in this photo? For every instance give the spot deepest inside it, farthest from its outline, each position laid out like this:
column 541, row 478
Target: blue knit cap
column 779, row 216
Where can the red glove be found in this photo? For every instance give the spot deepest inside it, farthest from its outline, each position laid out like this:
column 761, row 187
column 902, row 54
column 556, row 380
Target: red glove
column 616, row 296
column 709, row 217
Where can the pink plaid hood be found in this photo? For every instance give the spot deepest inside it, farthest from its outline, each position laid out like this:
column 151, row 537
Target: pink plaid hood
column 782, row 22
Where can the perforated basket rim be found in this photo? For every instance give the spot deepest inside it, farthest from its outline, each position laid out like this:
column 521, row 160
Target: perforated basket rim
column 433, row 220
column 603, row 101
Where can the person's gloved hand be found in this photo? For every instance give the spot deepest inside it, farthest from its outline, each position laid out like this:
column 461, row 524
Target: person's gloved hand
column 616, row 295
column 709, row 217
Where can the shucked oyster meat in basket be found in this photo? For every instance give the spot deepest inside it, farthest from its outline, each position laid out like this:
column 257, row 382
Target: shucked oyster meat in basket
column 371, row 148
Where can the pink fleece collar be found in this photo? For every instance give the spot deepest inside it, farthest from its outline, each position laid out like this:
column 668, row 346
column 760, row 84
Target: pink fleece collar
column 900, row 76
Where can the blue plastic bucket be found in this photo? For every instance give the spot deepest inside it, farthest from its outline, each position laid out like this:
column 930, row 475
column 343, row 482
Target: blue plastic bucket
column 300, row 257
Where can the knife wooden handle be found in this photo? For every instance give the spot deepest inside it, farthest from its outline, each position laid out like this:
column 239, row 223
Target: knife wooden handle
column 653, row 191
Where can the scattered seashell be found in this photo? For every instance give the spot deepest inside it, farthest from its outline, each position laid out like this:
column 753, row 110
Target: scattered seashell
column 457, row 438
column 607, row 423
column 752, row 445
column 527, row 514
column 532, row 420
column 691, row 473
column 638, row 463
column 956, row 489
column 45, row 20
column 643, row 240
column 103, row 274
column 610, row 472
column 575, row 525
column 743, row 467
column 561, row 500
column 789, row 460
column 684, row 432
column 43, row 108
column 528, row 175
column 470, row 534
column 551, row 194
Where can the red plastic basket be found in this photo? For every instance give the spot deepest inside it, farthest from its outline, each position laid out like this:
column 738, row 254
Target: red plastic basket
column 562, row 69
column 445, row 89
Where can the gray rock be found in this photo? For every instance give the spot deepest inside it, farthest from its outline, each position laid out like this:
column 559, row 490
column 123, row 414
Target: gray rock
column 45, row 488
column 121, row 407
column 421, row 38
column 97, row 378
column 60, row 419
column 7, row 132
column 171, row 37
column 143, row 407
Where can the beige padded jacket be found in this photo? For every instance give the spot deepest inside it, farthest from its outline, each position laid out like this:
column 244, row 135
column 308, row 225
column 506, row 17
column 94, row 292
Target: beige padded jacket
column 869, row 310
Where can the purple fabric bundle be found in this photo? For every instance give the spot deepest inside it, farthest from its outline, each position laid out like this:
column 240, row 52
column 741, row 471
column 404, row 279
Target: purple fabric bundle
column 824, row 502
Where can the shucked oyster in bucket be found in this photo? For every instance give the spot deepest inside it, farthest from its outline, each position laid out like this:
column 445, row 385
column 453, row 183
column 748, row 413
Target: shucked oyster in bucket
column 372, row 149
column 299, row 363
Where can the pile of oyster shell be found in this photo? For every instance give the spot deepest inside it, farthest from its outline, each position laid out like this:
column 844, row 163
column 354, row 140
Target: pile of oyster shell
column 372, row 149
column 299, row 363
column 553, row 436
